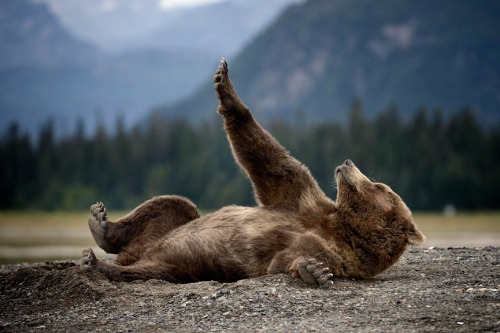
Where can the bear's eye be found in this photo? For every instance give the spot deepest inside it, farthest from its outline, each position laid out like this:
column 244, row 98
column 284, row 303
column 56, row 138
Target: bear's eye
column 380, row 187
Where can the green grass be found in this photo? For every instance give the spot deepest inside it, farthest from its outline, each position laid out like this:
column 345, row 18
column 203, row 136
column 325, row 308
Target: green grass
column 38, row 236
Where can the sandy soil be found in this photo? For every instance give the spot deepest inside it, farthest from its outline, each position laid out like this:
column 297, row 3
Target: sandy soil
column 439, row 289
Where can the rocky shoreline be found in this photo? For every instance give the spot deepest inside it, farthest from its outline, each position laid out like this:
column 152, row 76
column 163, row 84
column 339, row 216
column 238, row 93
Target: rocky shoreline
column 436, row 289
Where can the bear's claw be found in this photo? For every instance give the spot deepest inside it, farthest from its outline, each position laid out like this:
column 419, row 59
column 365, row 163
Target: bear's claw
column 224, row 89
column 98, row 211
column 314, row 272
column 221, row 73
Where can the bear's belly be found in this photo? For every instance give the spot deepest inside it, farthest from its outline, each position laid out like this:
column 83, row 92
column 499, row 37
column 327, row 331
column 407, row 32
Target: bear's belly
column 225, row 247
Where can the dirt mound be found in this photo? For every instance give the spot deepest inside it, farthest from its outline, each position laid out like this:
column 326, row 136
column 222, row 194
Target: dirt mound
column 50, row 285
column 454, row 289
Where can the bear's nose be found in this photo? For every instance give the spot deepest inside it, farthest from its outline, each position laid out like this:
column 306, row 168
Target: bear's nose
column 348, row 163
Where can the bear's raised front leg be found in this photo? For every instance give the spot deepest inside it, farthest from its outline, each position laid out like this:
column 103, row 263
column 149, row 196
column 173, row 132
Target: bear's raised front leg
column 277, row 178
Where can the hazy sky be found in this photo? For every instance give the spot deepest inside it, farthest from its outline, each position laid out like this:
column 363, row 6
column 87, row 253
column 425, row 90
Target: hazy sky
column 95, row 6
column 169, row 4
column 115, row 25
column 105, row 22
column 109, row 5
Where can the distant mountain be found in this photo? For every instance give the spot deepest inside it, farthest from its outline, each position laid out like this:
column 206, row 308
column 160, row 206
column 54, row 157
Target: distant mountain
column 31, row 37
column 46, row 71
column 124, row 86
column 322, row 54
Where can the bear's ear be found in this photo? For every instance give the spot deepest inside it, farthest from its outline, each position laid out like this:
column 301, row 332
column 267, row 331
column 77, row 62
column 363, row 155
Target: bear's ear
column 415, row 237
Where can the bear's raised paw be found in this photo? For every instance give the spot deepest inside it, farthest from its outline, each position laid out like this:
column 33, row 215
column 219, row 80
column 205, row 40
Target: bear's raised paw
column 229, row 100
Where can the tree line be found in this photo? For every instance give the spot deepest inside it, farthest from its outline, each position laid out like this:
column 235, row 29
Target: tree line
column 430, row 160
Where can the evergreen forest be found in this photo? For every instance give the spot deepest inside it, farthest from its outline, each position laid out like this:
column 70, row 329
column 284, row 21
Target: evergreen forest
column 430, row 160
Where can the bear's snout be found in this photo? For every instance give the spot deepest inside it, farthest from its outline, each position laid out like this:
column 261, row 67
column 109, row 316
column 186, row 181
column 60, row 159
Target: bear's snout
column 348, row 162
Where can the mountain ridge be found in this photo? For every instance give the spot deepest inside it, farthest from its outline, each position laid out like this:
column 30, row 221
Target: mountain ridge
column 321, row 55
column 47, row 72
column 32, row 37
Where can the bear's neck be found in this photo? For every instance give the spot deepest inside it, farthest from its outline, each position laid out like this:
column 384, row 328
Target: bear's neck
column 375, row 248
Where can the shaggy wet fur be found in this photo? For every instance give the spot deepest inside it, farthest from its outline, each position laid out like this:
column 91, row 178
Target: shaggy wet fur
column 296, row 229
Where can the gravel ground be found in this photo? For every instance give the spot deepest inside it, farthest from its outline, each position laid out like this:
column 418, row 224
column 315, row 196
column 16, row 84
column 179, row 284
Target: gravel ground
column 436, row 289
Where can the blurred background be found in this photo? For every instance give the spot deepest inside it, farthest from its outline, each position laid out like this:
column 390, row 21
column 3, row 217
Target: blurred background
column 112, row 101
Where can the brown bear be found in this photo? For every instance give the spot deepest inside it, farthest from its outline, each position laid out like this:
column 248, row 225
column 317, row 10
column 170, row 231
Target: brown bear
column 296, row 229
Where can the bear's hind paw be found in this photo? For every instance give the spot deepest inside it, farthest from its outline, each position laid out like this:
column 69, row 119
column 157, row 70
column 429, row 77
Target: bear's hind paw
column 88, row 260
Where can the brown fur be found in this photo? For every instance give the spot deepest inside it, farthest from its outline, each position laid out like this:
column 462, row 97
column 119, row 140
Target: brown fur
column 296, row 229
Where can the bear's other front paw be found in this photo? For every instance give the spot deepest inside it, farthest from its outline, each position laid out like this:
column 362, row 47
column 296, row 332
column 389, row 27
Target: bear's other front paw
column 314, row 272
column 88, row 259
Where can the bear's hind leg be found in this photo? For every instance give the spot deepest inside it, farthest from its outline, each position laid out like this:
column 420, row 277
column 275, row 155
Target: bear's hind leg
column 138, row 271
column 100, row 228
column 145, row 224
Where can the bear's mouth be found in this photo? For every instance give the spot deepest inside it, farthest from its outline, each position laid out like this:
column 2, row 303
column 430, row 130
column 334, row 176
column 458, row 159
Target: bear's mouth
column 345, row 169
column 345, row 175
column 339, row 173
column 342, row 170
column 342, row 176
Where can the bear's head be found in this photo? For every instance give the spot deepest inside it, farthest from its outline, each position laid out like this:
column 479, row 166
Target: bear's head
column 374, row 214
